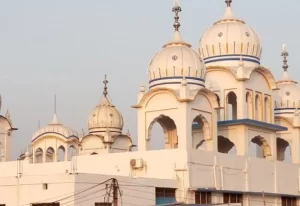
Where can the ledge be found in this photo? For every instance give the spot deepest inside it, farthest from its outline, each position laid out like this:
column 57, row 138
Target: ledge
column 250, row 122
column 241, row 192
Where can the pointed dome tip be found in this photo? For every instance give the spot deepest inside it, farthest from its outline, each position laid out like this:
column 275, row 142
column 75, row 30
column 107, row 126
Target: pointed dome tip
column 54, row 119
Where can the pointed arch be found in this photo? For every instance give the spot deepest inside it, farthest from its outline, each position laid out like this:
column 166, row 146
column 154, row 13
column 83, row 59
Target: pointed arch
column 169, row 129
column 61, row 154
column 231, row 110
column 50, row 154
column 249, row 103
column 225, row 145
column 267, row 109
column 282, row 146
column 39, row 154
column 263, row 144
column 72, row 151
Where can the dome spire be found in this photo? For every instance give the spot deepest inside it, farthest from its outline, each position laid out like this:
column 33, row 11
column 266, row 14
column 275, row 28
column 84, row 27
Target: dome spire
column 54, row 119
column 228, row 2
column 176, row 9
column 105, row 82
column 284, row 54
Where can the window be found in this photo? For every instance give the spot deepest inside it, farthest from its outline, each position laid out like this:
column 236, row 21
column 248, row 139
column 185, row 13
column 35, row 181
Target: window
column 2, row 204
column 288, row 201
column 232, row 198
column 165, row 195
column 203, row 197
column 46, row 204
column 103, row 204
column 45, row 186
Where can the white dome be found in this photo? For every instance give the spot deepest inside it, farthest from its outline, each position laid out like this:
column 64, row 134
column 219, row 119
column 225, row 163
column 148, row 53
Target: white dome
column 105, row 117
column 55, row 128
column 176, row 60
column 228, row 41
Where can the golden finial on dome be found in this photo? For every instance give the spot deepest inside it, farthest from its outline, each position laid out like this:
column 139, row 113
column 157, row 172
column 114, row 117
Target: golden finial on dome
column 284, row 54
column 105, row 82
column 228, row 2
column 176, row 9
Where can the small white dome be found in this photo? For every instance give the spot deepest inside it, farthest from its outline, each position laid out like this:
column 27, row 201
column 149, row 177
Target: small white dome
column 55, row 128
column 105, row 117
column 228, row 41
column 289, row 93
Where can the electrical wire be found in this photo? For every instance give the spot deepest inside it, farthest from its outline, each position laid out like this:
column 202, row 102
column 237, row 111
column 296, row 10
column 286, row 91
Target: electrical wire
column 75, row 199
column 73, row 194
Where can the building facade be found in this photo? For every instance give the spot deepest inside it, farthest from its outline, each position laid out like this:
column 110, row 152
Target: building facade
column 231, row 134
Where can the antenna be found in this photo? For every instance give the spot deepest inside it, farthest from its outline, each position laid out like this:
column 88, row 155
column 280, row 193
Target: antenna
column 55, row 104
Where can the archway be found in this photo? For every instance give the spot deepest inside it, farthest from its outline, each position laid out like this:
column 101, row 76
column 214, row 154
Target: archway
column 259, row 147
column 71, row 152
column 39, row 155
column 61, row 154
column 200, row 132
column 226, row 146
column 231, row 106
column 50, row 154
column 167, row 133
column 258, row 114
column 283, row 150
column 249, row 105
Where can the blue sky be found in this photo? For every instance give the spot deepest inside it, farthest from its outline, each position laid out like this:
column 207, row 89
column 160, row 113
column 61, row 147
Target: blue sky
column 66, row 47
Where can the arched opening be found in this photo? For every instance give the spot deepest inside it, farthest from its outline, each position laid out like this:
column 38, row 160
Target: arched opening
column 231, row 106
column 226, row 146
column 165, row 130
column 257, row 108
column 50, row 155
column 71, row 152
column 39, row 155
column 249, row 105
column 159, row 142
column 267, row 110
column 283, row 150
column 259, row 147
column 200, row 132
column 61, row 153
column 218, row 110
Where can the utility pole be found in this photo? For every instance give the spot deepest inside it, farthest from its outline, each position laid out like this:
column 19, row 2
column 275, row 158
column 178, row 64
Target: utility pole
column 115, row 192
column 263, row 195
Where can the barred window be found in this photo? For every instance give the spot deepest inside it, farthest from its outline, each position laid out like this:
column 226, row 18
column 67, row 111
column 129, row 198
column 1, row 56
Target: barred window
column 203, row 197
column 232, row 198
column 288, row 201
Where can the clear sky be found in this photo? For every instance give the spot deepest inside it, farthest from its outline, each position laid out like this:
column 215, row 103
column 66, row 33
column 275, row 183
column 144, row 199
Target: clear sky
column 65, row 48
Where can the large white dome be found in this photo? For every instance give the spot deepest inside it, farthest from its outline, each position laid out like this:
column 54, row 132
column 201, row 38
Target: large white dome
column 228, row 41
column 176, row 61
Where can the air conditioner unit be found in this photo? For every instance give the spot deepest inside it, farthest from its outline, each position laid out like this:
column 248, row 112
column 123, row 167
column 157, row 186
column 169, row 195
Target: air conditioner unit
column 136, row 163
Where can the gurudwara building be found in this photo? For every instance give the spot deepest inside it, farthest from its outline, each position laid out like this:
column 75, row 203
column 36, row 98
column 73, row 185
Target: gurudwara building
column 213, row 103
